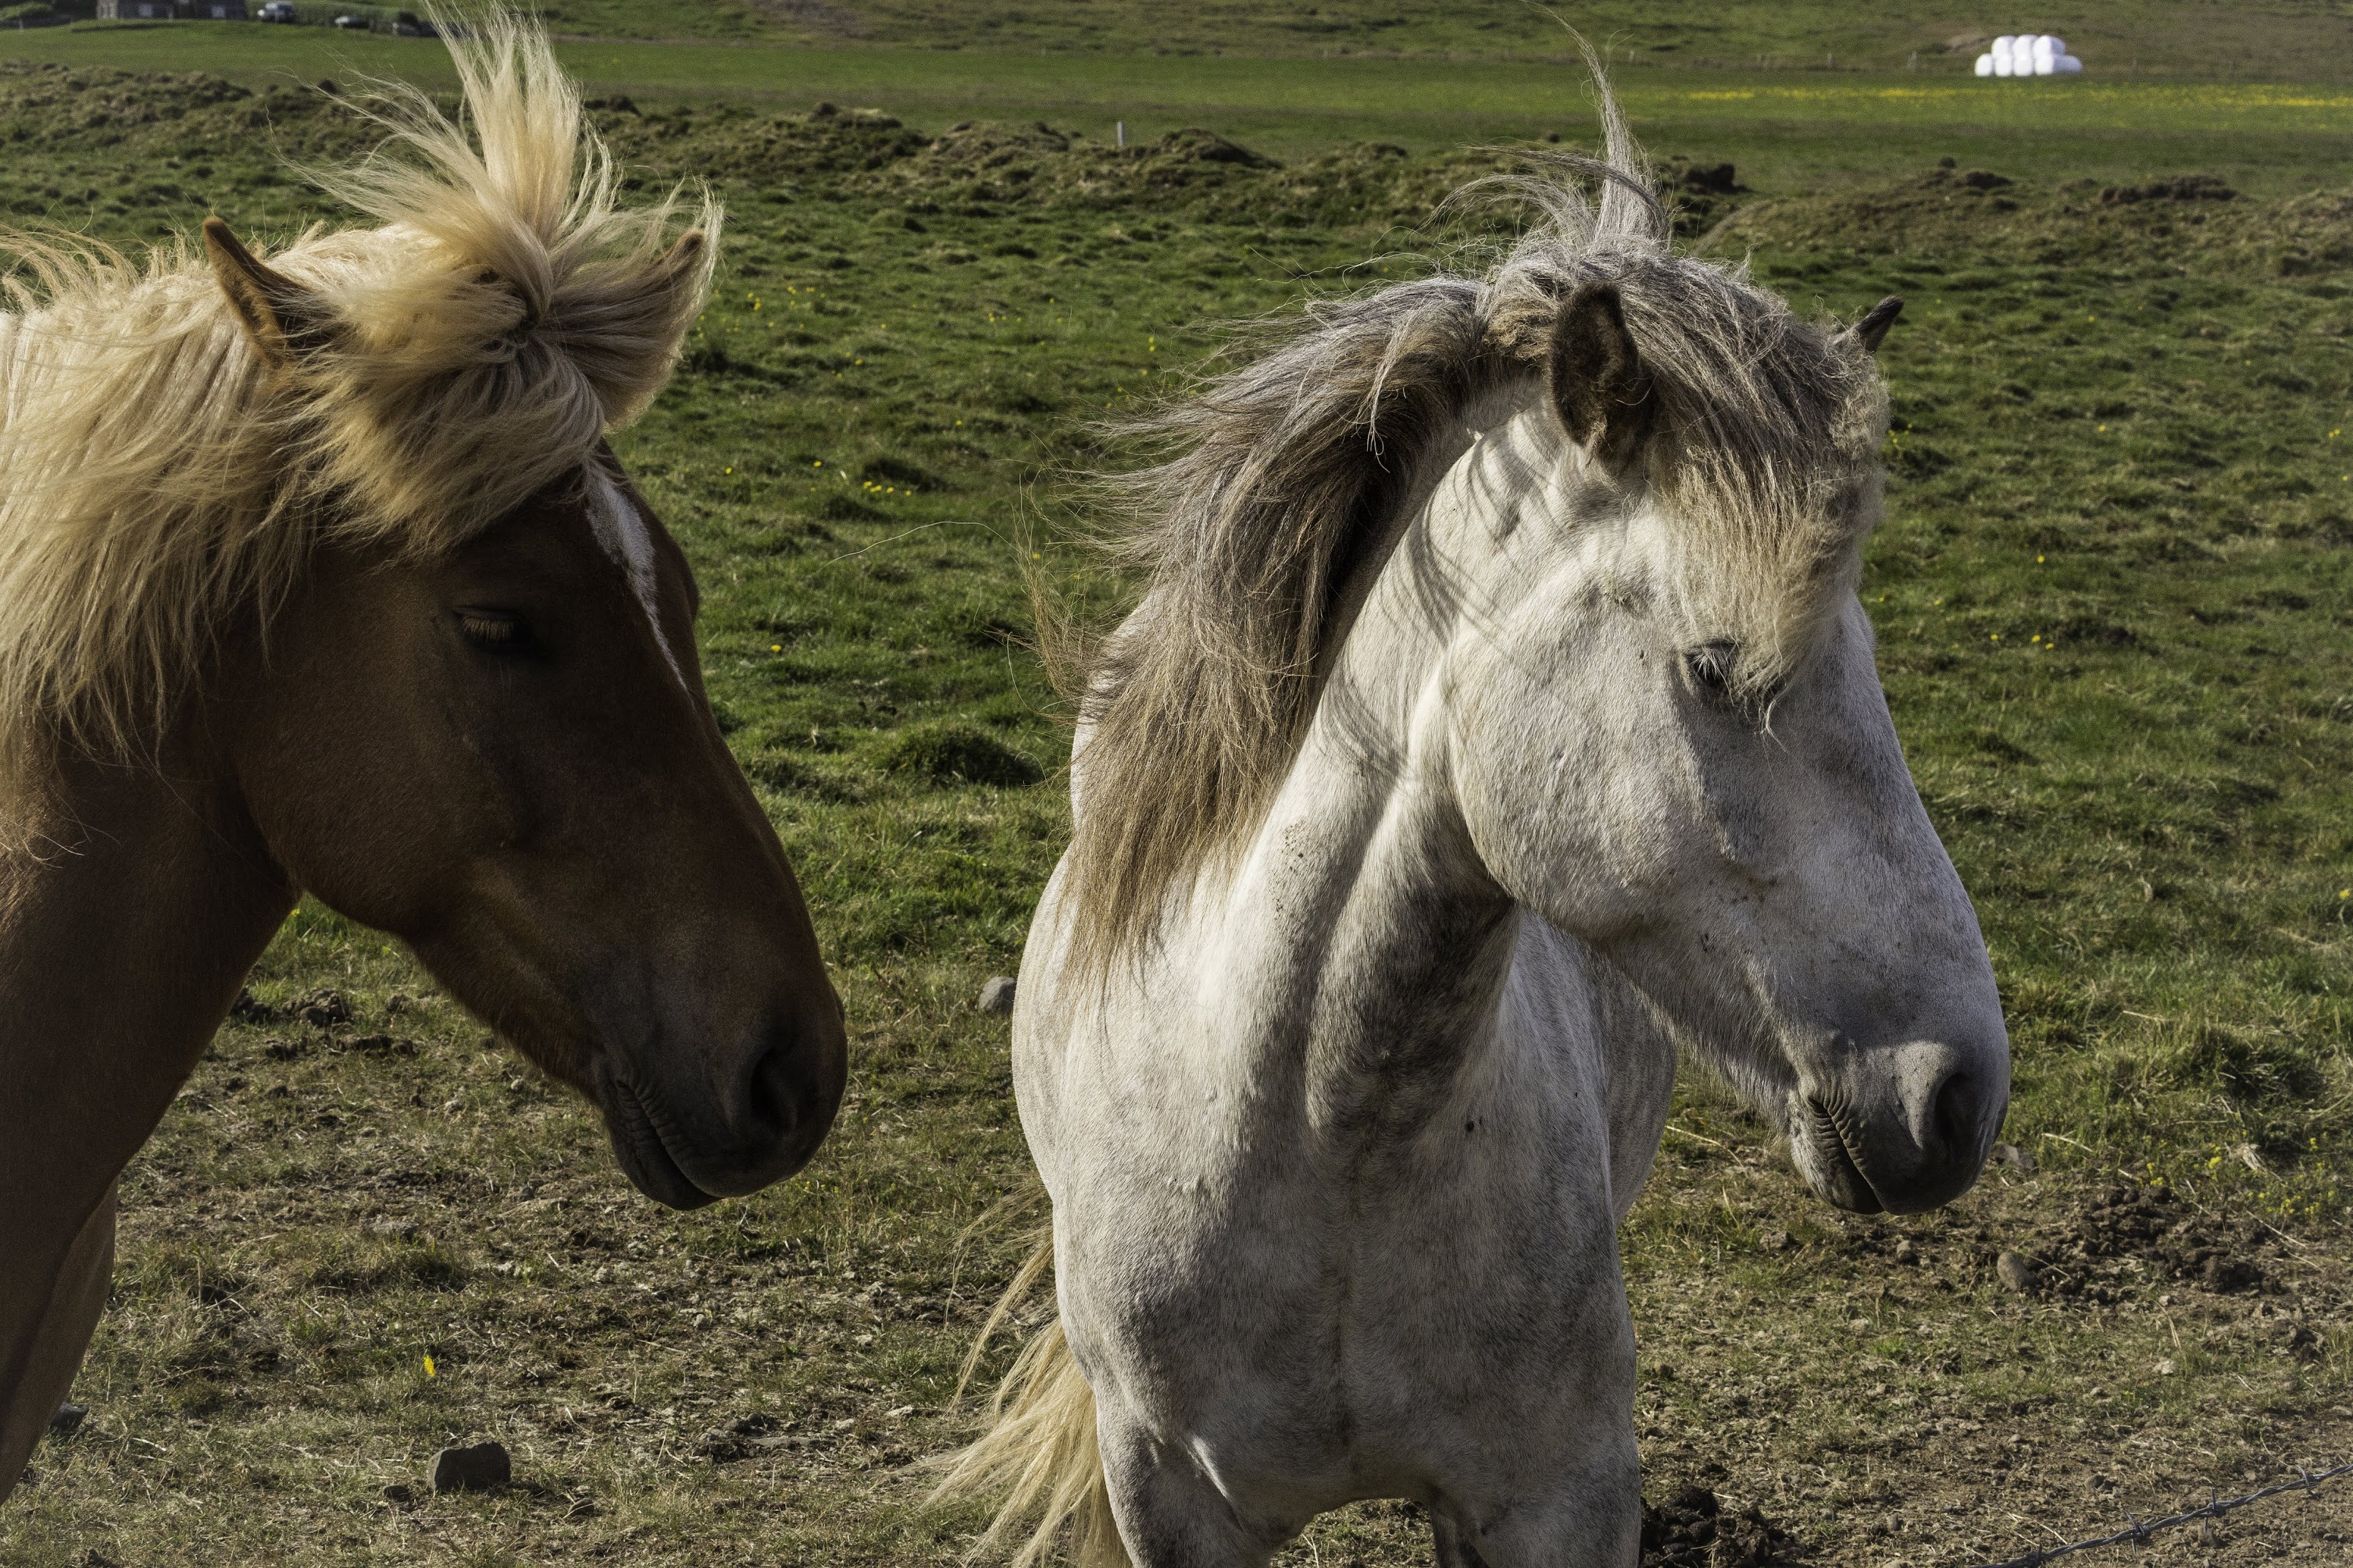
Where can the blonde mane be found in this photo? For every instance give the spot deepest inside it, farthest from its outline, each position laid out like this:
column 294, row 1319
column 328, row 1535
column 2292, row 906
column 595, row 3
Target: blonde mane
column 1278, row 475
column 160, row 478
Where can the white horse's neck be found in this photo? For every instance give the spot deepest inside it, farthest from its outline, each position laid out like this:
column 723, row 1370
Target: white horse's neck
column 1368, row 940
column 1362, row 941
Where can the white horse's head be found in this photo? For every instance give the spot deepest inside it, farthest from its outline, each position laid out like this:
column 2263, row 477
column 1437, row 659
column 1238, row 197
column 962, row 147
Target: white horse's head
column 1667, row 736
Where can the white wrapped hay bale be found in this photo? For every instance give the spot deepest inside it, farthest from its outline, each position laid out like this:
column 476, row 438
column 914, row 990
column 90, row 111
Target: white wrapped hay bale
column 2027, row 54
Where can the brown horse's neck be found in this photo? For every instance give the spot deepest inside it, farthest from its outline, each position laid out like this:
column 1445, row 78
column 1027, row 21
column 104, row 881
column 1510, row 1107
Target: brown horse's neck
column 126, row 926
column 126, row 923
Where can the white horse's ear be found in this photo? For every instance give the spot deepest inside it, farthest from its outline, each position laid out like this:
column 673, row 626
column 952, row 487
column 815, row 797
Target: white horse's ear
column 1599, row 384
column 276, row 313
column 1871, row 330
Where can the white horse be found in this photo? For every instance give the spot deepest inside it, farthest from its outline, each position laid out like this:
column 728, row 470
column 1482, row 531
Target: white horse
column 1499, row 714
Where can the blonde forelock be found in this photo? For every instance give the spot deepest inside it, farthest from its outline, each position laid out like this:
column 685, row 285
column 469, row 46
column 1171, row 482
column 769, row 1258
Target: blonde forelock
column 159, row 473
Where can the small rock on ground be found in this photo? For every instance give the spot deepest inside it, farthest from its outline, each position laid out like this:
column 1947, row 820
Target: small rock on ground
column 482, row 1468
column 67, row 1420
column 2017, row 1273
column 997, row 996
column 737, row 1439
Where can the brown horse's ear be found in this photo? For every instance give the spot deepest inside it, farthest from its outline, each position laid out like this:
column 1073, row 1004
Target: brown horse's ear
column 276, row 313
column 1871, row 330
column 1599, row 384
column 683, row 255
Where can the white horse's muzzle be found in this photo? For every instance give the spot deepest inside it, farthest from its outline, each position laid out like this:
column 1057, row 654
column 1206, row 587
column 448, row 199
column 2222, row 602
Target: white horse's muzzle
column 1904, row 1128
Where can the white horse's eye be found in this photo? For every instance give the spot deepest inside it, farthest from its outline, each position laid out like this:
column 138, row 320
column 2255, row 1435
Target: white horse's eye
column 1709, row 666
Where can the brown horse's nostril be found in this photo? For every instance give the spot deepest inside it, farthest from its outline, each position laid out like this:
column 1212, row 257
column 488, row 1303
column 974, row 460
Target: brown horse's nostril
column 791, row 1093
column 777, row 1091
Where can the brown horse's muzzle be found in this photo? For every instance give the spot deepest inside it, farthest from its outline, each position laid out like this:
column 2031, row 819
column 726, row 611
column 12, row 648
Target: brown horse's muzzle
column 688, row 1137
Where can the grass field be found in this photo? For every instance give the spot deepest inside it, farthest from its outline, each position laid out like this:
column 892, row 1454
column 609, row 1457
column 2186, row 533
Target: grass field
column 2297, row 40
column 2287, row 40
column 1785, row 132
column 2112, row 598
column 1813, row 126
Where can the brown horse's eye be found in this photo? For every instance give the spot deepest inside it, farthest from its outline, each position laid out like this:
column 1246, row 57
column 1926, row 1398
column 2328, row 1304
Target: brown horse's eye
column 500, row 629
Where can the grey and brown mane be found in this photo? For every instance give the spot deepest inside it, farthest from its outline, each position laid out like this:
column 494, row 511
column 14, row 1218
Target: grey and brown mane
column 1764, row 451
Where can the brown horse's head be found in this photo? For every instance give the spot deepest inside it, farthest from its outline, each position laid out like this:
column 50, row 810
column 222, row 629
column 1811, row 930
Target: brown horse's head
column 503, row 756
column 476, row 719
column 359, row 498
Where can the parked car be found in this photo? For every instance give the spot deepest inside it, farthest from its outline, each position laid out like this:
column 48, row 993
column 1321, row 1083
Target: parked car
column 276, row 10
column 348, row 20
column 408, row 27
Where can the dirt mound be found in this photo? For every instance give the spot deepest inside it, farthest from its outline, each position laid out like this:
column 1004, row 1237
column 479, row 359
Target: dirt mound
column 2303, row 235
column 79, row 108
column 1379, row 185
column 1692, row 1529
column 992, row 163
column 1701, row 195
column 1938, row 212
column 729, row 141
column 1946, row 213
column 2126, row 1233
column 1368, row 182
column 2173, row 188
column 988, row 162
column 95, row 107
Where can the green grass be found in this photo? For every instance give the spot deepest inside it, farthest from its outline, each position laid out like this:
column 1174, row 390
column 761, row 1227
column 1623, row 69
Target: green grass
column 1808, row 127
column 2122, row 429
column 2119, row 38
column 2115, row 36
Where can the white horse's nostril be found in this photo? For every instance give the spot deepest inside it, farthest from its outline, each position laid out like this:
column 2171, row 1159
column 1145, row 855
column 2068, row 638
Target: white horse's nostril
column 1959, row 1115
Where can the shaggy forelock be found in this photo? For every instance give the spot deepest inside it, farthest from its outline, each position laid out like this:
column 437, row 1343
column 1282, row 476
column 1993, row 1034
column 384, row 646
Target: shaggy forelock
column 1276, row 474
column 157, row 474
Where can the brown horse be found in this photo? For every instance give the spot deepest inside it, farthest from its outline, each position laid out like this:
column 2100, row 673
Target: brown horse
column 317, row 575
